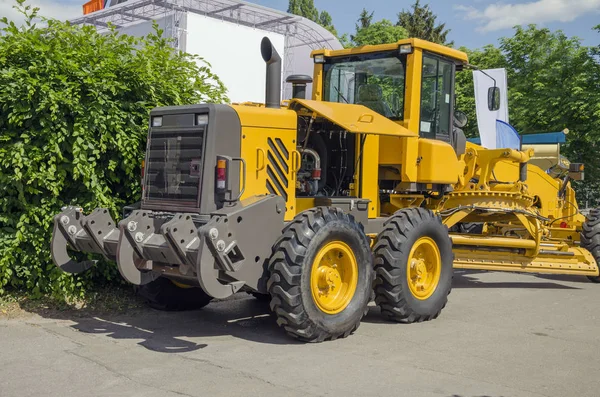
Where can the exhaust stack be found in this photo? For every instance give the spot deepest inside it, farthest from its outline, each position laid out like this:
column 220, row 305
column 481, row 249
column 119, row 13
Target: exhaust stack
column 273, row 86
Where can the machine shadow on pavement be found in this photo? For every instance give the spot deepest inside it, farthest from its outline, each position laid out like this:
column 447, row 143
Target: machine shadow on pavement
column 242, row 317
column 468, row 279
column 185, row 331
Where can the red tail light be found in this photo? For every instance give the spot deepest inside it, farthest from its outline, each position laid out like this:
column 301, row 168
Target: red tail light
column 221, row 174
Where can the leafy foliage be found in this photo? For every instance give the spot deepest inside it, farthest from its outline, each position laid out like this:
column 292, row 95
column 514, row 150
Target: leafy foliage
column 554, row 83
column 420, row 22
column 73, row 122
column 307, row 9
column 365, row 19
column 379, row 33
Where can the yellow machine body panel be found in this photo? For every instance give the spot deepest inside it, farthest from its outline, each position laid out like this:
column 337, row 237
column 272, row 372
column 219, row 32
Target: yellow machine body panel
column 412, row 102
column 426, row 160
column 418, row 44
column 354, row 118
column 367, row 185
column 269, row 149
column 542, row 187
column 437, row 162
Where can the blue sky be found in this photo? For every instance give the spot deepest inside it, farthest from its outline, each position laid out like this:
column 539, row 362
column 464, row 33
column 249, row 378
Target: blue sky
column 473, row 23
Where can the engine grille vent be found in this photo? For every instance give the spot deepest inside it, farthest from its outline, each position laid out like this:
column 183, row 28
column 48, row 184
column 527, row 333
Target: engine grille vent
column 174, row 163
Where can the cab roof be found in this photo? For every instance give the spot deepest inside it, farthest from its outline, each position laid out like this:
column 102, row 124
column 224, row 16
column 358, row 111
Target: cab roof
column 457, row 55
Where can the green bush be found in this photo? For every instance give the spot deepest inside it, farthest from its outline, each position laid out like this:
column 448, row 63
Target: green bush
column 74, row 109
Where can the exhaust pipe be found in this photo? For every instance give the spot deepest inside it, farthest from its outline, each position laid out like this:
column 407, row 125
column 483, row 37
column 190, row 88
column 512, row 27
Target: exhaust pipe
column 273, row 86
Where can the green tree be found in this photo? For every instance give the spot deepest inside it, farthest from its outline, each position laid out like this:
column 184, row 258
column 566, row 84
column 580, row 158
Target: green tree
column 380, row 32
column 554, row 83
column 307, row 9
column 74, row 110
column 420, row 22
column 365, row 19
column 326, row 21
column 304, row 8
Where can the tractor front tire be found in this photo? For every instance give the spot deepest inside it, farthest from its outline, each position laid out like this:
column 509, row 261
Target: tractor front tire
column 163, row 294
column 590, row 238
column 321, row 275
column 413, row 266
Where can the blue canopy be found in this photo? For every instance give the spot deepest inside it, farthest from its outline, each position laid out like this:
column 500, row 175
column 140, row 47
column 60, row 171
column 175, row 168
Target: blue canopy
column 547, row 138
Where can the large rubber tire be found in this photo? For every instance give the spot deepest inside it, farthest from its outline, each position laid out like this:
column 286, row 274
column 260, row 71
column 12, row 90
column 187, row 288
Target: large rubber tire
column 290, row 267
column 392, row 250
column 590, row 238
column 163, row 294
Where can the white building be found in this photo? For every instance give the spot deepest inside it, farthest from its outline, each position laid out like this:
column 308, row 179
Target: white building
column 227, row 34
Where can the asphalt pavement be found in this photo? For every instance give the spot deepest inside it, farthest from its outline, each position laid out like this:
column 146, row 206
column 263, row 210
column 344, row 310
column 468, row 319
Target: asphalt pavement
column 501, row 334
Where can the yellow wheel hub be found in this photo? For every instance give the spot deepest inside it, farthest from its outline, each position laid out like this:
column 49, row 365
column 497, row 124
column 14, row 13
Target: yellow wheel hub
column 334, row 277
column 424, row 268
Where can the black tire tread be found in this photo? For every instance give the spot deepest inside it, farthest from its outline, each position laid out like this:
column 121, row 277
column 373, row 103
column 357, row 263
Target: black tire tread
column 590, row 238
column 389, row 294
column 286, row 272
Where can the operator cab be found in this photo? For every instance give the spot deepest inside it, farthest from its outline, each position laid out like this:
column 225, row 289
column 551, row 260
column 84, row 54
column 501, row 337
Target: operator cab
column 379, row 77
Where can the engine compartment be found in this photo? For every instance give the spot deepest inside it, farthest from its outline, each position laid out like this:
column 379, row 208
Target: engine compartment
column 328, row 159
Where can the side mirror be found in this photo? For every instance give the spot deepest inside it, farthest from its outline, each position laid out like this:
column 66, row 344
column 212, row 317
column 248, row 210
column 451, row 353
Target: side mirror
column 460, row 119
column 493, row 99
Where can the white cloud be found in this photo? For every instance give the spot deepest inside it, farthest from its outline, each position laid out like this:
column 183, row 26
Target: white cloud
column 505, row 15
column 48, row 8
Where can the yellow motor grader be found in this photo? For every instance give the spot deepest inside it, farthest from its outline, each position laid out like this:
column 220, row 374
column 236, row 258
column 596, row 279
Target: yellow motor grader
column 369, row 189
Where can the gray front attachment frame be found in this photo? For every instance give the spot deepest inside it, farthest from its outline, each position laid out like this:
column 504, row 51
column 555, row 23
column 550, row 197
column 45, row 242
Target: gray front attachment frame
column 221, row 252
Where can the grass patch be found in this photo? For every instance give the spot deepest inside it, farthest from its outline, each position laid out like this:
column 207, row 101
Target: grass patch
column 105, row 300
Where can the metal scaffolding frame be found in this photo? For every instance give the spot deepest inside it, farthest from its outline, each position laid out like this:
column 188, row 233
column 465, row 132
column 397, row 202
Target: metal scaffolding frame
column 235, row 11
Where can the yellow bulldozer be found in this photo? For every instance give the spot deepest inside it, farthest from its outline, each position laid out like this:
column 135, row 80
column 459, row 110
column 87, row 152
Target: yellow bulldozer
column 367, row 191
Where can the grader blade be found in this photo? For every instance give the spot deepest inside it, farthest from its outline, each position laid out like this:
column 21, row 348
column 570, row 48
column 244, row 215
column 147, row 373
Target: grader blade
column 551, row 260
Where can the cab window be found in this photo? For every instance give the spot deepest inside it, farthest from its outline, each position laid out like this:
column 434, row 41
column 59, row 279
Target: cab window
column 436, row 98
column 373, row 80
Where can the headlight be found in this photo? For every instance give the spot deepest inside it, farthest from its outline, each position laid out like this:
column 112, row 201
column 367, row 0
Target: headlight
column 201, row 119
column 406, row 49
column 319, row 58
column 157, row 121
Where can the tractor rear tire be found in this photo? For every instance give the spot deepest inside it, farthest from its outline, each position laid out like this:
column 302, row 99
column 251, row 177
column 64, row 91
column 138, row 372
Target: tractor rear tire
column 162, row 294
column 590, row 238
column 321, row 275
column 413, row 266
